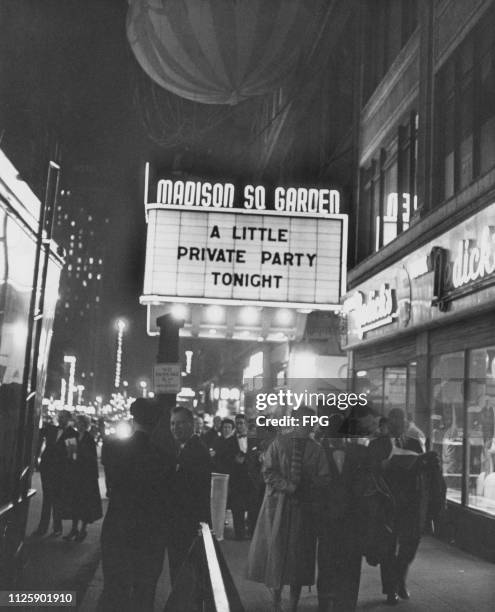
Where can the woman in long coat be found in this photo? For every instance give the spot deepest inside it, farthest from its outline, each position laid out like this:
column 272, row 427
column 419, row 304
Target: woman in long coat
column 86, row 500
column 283, row 549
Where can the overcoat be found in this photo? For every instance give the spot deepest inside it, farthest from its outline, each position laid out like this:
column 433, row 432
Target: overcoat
column 86, row 492
column 283, row 548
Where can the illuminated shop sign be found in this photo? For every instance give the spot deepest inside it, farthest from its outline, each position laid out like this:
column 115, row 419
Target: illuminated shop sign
column 474, row 260
column 470, row 266
column 377, row 308
column 207, row 253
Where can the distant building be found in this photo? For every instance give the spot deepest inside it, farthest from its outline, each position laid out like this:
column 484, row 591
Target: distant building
column 79, row 317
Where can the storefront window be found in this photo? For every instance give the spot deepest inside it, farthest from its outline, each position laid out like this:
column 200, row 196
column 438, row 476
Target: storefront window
column 371, row 383
column 18, row 251
column 447, row 418
column 411, row 389
column 480, row 423
column 395, row 389
column 389, row 387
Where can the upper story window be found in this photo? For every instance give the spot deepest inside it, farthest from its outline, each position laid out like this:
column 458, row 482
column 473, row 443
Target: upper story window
column 465, row 112
column 388, row 191
column 390, row 25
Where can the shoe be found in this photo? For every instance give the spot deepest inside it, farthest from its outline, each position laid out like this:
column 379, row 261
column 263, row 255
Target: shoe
column 72, row 535
column 81, row 536
column 392, row 599
column 402, row 592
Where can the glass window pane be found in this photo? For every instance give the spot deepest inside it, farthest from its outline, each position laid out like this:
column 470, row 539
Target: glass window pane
column 447, row 418
column 481, row 412
column 391, row 205
column 411, row 389
column 395, row 389
column 18, row 254
column 371, row 383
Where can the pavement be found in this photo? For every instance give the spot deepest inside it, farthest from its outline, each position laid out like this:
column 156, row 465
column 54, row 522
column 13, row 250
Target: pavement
column 53, row 564
column 442, row 579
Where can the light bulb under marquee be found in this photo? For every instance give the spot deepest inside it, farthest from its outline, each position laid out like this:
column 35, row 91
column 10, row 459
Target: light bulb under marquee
column 249, row 315
column 215, row 313
column 179, row 311
column 284, row 316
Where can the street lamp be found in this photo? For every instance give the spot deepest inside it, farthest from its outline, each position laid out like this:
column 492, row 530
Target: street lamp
column 71, row 360
column 143, row 384
column 80, row 389
column 118, row 360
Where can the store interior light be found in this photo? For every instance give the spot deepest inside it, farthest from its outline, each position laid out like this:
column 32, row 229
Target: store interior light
column 212, row 331
column 361, row 373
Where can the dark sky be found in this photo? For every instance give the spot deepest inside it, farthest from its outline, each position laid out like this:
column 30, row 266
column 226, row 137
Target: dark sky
column 68, row 72
column 68, row 75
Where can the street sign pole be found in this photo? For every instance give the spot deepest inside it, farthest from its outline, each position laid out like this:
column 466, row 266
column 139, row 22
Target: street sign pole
column 167, row 361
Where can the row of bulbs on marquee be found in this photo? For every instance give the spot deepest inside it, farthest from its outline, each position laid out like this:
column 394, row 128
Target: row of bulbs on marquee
column 248, row 315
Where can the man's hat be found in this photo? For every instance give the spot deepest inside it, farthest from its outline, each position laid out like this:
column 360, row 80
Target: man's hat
column 145, row 412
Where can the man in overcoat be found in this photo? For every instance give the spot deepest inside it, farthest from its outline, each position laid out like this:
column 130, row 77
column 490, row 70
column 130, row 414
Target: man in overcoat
column 190, row 488
column 134, row 530
column 55, row 472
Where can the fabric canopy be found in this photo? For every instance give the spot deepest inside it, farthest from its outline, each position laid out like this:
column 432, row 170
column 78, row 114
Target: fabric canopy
column 217, row 51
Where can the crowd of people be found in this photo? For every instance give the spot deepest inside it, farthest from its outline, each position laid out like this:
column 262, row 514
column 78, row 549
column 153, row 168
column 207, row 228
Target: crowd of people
column 307, row 499
column 351, row 490
column 69, row 476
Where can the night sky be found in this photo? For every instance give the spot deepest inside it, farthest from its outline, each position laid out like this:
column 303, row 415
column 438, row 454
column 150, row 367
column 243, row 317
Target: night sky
column 67, row 70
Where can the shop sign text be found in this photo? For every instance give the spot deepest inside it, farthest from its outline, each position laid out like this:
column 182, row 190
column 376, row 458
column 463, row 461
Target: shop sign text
column 376, row 309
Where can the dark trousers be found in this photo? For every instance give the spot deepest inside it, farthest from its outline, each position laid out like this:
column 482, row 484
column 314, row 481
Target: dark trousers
column 131, row 567
column 178, row 546
column 244, row 512
column 339, row 566
column 51, row 504
column 400, row 553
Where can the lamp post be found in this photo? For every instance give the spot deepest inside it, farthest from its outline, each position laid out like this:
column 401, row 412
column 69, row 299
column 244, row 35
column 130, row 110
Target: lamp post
column 80, row 389
column 118, row 360
column 71, row 360
column 144, row 385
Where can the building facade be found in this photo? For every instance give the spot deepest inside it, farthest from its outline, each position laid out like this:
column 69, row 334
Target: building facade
column 420, row 307
column 401, row 118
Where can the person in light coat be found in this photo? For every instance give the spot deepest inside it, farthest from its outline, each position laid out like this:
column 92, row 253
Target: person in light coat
column 283, row 548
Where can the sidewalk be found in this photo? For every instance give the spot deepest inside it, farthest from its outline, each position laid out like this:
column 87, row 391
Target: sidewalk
column 442, row 579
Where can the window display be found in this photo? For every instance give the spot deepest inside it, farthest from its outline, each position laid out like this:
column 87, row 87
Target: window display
column 447, row 418
column 480, row 423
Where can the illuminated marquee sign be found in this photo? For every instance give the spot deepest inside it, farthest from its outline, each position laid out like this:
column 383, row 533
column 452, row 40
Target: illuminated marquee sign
column 201, row 252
